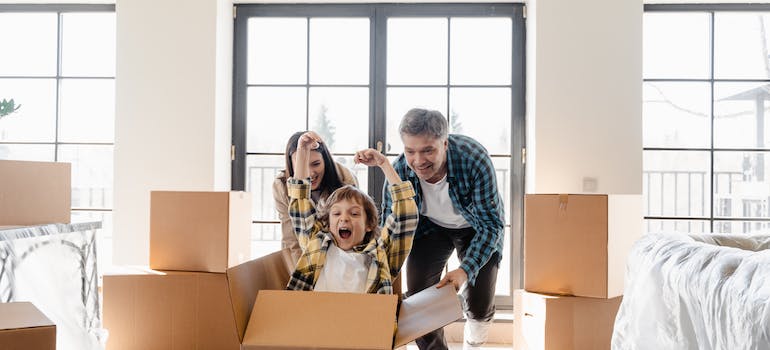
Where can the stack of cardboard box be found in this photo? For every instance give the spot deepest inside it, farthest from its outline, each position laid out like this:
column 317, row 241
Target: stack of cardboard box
column 31, row 193
column 575, row 250
column 183, row 300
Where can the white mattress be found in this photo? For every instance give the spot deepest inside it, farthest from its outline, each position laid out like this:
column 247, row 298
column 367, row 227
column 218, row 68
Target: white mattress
column 696, row 292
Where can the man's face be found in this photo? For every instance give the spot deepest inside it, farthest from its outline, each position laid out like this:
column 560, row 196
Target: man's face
column 426, row 155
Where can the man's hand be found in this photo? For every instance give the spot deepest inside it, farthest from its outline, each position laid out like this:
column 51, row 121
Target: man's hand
column 455, row 277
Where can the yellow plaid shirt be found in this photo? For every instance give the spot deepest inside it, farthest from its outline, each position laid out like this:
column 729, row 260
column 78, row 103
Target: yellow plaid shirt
column 387, row 251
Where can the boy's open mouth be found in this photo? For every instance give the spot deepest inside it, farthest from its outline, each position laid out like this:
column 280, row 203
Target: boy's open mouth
column 345, row 233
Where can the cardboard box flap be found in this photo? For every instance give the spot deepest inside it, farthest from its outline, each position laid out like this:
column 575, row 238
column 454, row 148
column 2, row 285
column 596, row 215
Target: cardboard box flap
column 245, row 280
column 21, row 315
column 426, row 311
column 321, row 320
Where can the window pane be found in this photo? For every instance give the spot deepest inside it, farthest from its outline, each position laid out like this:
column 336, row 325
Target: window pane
column 742, row 227
column 277, row 49
column 679, row 226
column 41, row 153
column 341, row 117
column 401, row 100
column 91, row 175
column 29, row 40
column 677, row 114
column 739, row 115
column 676, row 45
column 88, row 44
column 265, row 239
column 339, row 51
column 740, row 45
column 676, row 183
column 417, row 51
column 360, row 171
column 87, row 110
column 503, row 175
column 741, row 189
column 260, row 174
column 480, row 51
column 273, row 115
column 103, row 235
column 35, row 120
column 484, row 114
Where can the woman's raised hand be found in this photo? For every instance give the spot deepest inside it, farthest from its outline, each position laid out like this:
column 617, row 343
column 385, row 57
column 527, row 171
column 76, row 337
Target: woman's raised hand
column 309, row 141
column 370, row 157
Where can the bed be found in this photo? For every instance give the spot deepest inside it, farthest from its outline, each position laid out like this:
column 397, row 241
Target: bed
column 696, row 292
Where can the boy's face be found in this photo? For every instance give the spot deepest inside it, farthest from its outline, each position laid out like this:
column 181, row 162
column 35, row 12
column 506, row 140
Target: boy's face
column 347, row 223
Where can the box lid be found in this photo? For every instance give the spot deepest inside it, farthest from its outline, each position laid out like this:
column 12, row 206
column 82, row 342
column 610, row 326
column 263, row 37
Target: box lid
column 426, row 311
column 245, row 280
column 321, row 320
column 19, row 315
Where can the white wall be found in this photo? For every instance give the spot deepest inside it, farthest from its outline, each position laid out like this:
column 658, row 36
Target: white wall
column 584, row 109
column 173, row 93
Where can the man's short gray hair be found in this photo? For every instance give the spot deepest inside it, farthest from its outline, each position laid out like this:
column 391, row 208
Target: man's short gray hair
column 420, row 121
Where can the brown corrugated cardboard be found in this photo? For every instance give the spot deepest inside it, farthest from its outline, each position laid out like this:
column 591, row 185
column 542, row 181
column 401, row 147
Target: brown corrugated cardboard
column 146, row 309
column 547, row 322
column 578, row 244
column 199, row 231
column 24, row 327
column 33, row 193
column 275, row 319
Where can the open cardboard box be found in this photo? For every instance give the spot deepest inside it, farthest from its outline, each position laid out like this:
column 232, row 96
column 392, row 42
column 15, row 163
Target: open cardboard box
column 278, row 318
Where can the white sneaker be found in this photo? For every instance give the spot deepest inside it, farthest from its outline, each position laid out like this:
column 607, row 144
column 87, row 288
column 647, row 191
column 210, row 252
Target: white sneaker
column 476, row 332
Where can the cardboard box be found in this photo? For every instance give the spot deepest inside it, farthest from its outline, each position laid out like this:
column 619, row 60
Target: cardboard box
column 34, row 193
column 199, row 231
column 548, row 322
column 24, row 327
column 578, row 244
column 175, row 310
column 277, row 318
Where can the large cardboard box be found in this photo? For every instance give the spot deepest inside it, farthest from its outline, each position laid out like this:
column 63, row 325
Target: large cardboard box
column 578, row 244
column 169, row 310
column 549, row 322
column 33, row 193
column 24, row 327
column 174, row 310
column 269, row 317
column 199, row 231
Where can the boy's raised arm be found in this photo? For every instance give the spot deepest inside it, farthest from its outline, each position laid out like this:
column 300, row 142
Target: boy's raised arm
column 301, row 208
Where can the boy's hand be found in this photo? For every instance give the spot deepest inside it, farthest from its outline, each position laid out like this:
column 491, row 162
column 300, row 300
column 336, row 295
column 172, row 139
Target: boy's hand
column 370, row 157
column 455, row 277
column 309, row 141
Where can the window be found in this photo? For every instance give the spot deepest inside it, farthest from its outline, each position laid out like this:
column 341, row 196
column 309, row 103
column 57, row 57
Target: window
column 58, row 63
column 706, row 145
column 350, row 72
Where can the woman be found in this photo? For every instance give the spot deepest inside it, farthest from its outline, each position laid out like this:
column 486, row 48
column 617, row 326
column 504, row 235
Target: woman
column 326, row 175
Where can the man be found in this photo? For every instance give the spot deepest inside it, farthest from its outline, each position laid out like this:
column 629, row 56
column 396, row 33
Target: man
column 460, row 208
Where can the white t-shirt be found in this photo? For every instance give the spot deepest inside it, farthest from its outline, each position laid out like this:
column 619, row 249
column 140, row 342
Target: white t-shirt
column 438, row 207
column 343, row 272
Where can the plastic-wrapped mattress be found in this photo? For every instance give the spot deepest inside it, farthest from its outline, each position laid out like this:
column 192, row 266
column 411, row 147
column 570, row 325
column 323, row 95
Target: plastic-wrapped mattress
column 697, row 292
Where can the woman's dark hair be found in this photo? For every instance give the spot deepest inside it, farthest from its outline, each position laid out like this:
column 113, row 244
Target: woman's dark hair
column 330, row 181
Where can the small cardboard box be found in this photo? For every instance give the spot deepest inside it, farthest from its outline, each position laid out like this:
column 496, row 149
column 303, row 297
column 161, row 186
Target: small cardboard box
column 548, row 322
column 33, row 193
column 269, row 317
column 24, row 327
column 578, row 244
column 175, row 310
column 199, row 231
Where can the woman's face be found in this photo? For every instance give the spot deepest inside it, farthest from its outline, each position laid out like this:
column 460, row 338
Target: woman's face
column 316, row 168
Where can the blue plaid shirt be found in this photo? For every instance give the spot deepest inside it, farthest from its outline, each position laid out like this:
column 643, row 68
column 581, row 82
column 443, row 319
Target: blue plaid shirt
column 473, row 190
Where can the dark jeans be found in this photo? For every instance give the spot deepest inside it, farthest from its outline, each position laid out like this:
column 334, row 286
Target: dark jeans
column 426, row 262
